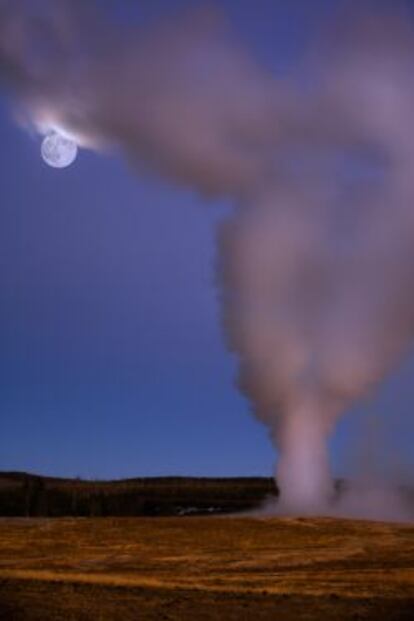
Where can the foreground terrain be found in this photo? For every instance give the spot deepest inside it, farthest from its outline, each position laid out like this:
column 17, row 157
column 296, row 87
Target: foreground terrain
column 205, row 568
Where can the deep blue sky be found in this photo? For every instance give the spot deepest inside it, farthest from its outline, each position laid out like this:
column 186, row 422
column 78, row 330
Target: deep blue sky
column 111, row 357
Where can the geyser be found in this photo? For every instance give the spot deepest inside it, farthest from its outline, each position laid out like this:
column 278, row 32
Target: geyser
column 303, row 469
column 315, row 261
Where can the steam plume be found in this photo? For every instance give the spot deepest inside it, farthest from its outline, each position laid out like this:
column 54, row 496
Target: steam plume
column 315, row 262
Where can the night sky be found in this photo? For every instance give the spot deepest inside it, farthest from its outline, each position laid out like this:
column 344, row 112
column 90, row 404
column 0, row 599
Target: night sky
column 111, row 356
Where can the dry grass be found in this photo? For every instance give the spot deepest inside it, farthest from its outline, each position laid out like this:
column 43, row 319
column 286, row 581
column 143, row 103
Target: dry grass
column 205, row 568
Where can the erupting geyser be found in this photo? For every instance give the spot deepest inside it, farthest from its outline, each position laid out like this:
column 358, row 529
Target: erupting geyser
column 316, row 260
column 303, row 469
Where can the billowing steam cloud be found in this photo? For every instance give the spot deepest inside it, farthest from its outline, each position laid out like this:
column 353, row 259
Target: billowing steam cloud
column 316, row 260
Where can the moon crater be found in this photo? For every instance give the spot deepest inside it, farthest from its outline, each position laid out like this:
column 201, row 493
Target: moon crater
column 58, row 151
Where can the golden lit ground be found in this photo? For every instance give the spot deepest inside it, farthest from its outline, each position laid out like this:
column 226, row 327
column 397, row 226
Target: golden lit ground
column 205, row 569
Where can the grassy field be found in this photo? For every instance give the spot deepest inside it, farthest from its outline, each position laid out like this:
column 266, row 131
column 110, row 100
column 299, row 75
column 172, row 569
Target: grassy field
column 205, row 568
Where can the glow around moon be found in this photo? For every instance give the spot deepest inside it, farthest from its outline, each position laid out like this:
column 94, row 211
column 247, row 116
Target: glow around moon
column 58, row 151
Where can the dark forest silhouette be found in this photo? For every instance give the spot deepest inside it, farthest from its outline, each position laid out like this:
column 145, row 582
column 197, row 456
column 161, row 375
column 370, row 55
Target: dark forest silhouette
column 28, row 495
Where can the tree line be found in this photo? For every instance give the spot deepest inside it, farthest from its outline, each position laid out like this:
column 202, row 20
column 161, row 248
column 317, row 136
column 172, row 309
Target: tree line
column 27, row 495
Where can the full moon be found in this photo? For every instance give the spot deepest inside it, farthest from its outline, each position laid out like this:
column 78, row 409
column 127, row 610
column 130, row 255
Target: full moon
column 58, row 151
